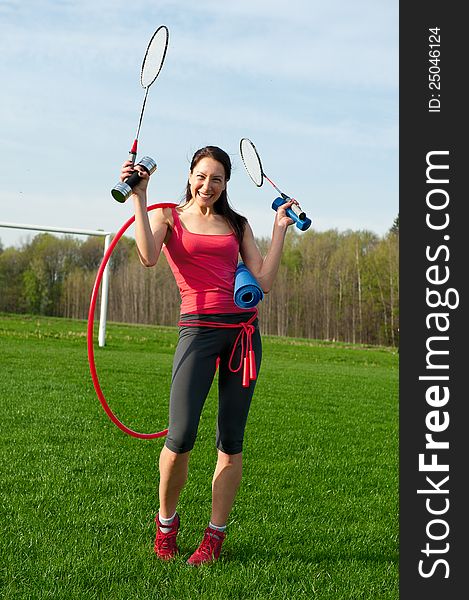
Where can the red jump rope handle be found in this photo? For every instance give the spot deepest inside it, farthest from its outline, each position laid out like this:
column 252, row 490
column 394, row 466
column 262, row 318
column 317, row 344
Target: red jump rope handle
column 245, row 372
column 252, row 365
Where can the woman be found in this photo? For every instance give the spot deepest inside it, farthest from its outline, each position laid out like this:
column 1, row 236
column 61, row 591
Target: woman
column 202, row 240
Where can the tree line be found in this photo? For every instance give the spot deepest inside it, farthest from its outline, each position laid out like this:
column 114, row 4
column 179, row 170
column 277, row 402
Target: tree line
column 331, row 285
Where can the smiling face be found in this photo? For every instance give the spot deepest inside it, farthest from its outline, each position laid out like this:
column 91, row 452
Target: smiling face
column 207, row 181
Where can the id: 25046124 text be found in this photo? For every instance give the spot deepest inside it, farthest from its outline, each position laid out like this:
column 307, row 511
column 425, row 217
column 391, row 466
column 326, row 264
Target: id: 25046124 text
column 434, row 74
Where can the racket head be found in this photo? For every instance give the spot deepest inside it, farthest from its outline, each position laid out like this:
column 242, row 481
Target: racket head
column 251, row 161
column 154, row 56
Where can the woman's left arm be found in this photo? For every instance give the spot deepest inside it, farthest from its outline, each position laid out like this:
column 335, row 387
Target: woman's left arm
column 265, row 269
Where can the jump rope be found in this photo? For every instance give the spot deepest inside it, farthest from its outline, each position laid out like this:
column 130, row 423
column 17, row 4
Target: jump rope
column 247, row 292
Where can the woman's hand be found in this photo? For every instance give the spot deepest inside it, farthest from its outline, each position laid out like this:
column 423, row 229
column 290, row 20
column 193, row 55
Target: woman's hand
column 127, row 169
column 282, row 220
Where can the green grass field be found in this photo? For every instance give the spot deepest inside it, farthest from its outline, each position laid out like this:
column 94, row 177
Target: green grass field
column 317, row 513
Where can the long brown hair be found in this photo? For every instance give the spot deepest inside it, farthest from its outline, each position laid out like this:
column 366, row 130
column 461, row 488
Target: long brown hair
column 222, row 206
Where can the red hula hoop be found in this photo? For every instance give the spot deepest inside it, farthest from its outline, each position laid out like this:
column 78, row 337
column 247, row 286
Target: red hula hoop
column 94, row 297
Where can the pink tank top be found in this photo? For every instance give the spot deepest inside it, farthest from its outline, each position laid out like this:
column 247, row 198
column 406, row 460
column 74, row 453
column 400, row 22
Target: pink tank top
column 204, row 268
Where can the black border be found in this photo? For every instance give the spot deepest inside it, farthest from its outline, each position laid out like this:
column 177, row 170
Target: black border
column 421, row 132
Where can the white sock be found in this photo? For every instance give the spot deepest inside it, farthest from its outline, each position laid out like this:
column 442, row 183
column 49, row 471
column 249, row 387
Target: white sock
column 217, row 527
column 168, row 522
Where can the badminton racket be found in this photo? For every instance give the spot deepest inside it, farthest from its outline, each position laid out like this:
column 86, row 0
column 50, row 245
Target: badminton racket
column 151, row 67
column 253, row 165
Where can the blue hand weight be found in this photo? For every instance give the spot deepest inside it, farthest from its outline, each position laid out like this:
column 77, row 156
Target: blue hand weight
column 302, row 224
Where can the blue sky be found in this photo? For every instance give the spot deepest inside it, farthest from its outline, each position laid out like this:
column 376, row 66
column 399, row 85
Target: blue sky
column 313, row 84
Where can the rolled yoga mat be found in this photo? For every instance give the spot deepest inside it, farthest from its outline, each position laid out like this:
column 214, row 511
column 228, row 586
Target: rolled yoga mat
column 247, row 292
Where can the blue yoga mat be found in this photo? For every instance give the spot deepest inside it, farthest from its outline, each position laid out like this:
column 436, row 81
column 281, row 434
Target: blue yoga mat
column 247, row 292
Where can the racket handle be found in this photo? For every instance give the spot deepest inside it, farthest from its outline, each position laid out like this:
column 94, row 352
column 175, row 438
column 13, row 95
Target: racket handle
column 296, row 214
column 122, row 190
column 133, row 152
column 295, row 208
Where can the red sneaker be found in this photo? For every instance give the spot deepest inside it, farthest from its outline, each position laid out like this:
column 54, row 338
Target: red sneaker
column 209, row 549
column 165, row 543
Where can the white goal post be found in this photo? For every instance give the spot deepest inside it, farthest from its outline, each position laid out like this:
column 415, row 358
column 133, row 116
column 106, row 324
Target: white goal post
column 105, row 282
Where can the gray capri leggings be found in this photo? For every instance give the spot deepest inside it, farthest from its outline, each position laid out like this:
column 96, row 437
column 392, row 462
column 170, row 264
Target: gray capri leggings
column 194, row 368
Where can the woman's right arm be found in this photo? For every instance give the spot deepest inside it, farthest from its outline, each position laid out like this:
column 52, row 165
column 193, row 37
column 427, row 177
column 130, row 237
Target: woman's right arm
column 149, row 233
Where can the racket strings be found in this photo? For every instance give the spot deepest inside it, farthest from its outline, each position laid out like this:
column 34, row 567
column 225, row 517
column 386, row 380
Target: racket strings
column 251, row 161
column 154, row 56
